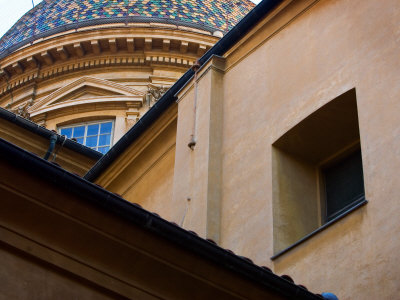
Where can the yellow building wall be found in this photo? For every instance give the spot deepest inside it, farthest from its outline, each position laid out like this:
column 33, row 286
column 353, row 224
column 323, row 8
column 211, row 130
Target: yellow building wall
column 144, row 173
column 285, row 69
column 198, row 174
column 26, row 278
column 68, row 159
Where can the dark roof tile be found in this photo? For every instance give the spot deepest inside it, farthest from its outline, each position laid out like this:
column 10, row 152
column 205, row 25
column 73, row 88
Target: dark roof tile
column 288, row 278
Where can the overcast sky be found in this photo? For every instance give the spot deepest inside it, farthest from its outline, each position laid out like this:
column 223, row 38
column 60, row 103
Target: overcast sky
column 12, row 10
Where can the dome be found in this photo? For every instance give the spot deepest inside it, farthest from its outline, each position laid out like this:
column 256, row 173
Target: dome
column 55, row 16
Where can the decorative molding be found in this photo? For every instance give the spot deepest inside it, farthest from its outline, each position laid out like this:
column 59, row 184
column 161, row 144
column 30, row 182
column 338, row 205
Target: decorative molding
column 90, row 63
column 102, row 47
column 22, row 110
column 72, row 47
column 99, row 101
column 41, row 120
column 131, row 118
column 85, row 81
column 154, row 93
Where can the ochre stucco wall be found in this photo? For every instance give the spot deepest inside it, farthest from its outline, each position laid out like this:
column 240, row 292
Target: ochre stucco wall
column 144, row 173
column 306, row 56
column 71, row 161
column 198, row 176
column 23, row 277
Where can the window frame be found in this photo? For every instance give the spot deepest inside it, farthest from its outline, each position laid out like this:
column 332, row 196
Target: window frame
column 87, row 124
column 331, row 162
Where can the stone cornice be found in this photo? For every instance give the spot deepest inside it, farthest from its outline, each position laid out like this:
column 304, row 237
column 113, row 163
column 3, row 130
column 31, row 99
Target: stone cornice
column 124, row 36
column 152, row 59
column 98, row 101
column 130, row 46
column 135, row 22
column 90, row 81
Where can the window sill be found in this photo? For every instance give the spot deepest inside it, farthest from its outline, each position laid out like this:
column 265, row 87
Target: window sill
column 359, row 203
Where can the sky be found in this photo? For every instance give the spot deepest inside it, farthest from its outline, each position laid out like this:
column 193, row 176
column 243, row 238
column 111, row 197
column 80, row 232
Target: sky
column 12, row 10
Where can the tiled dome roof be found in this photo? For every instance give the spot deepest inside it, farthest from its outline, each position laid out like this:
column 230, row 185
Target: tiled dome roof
column 51, row 16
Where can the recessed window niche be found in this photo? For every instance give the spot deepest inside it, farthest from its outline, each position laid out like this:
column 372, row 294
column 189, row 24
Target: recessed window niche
column 309, row 171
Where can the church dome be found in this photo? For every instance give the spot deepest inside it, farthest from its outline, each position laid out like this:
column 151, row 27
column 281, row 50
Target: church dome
column 52, row 16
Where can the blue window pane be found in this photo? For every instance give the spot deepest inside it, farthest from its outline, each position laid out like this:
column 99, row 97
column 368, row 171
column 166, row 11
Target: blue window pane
column 106, row 127
column 79, row 131
column 103, row 149
column 91, row 141
column 80, row 140
column 67, row 132
column 104, row 139
column 93, row 129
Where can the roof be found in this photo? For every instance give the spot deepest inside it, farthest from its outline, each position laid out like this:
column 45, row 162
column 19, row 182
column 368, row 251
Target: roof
column 113, row 204
column 51, row 16
column 41, row 131
column 223, row 45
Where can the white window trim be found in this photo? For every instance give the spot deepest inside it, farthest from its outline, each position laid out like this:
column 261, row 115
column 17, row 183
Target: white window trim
column 86, row 124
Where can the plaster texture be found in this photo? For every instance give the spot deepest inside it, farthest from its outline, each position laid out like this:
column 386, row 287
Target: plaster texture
column 306, row 54
column 286, row 68
column 200, row 121
column 144, row 174
column 24, row 277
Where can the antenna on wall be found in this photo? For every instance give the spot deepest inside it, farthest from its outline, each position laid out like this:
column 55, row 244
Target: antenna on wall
column 33, row 4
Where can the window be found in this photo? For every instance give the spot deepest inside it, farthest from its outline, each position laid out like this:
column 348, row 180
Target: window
column 95, row 135
column 343, row 185
column 317, row 171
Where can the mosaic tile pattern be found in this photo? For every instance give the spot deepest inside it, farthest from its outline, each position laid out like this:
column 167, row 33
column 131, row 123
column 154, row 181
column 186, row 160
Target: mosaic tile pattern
column 50, row 14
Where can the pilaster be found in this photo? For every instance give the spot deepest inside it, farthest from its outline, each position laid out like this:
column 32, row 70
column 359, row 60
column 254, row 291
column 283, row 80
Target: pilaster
column 198, row 168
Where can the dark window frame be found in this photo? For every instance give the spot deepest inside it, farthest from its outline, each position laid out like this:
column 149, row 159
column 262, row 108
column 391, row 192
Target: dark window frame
column 332, row 163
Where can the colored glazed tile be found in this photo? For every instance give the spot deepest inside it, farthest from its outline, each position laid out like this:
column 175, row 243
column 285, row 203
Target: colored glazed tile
column 47, row 15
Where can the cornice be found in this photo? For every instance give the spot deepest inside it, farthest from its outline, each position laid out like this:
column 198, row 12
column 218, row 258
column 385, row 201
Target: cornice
column 153, row 59
column 66, row 40
column 85, row 109
column 99, row 101
column 115, row 22
column 86, row 80
column 124, row 47
column 216, row 63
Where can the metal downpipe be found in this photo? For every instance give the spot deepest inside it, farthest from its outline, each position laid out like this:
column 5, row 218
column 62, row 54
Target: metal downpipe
column 53, row 140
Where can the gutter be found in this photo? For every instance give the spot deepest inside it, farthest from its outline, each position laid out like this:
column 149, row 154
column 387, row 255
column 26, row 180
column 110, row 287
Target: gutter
column 223, row 45
column 47, row 134
column 137, row 216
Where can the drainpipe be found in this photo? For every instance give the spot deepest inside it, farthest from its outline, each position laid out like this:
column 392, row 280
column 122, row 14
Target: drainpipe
column 53, row 140
column 192, row 141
